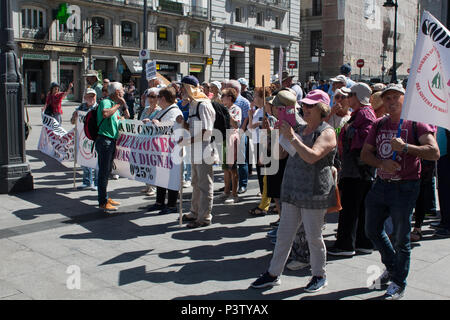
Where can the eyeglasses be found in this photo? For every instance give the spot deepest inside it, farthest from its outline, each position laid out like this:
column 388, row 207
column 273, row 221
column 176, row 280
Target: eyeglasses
column 351, row 94
column 339, row 96
column 153, row 97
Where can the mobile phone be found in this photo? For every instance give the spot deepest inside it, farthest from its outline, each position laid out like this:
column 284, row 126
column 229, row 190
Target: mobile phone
column 287, row 114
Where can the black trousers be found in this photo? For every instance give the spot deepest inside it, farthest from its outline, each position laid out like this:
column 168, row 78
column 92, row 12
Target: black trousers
column 161, row 197
column 352, row 220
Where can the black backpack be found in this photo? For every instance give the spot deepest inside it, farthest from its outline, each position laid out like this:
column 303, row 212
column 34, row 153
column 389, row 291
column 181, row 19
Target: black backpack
column 222, row 122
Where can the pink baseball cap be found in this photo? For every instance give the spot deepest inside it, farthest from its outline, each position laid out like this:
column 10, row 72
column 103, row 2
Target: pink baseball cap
column 315, row 96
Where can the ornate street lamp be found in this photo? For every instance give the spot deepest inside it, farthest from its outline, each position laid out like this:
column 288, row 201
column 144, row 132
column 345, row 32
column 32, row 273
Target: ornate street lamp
column 390, row 4
column 15, row 172
column 319, row 53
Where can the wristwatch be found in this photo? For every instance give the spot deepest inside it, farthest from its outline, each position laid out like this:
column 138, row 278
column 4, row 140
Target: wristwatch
column 405, row 148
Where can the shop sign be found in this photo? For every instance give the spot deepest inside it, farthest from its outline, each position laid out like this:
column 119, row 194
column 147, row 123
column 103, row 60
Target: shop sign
column 196, row 68
column 71, row 59
column 168, row 67
column 209, row 61
column 162, row 33
column 33, row 56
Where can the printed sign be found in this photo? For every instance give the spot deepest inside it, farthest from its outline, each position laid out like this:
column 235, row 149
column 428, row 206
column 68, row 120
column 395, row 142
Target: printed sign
column 150, row 69
column 55, row 141
column 428, row 92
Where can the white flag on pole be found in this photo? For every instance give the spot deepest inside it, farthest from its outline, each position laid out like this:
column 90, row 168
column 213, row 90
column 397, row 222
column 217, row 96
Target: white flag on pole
column 428, row 92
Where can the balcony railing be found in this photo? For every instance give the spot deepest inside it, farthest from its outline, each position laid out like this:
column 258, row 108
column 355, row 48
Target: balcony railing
column 71, row 36
column 102, row 40
column 170, row 6
column 130, row 42
column 37, row 34
column 199, row 12
column 166, row 45
column 199, row 50
column 133, row 3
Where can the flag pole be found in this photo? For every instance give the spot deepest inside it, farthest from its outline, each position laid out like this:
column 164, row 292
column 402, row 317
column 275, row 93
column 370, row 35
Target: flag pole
column 76, row 152
column 399, row 133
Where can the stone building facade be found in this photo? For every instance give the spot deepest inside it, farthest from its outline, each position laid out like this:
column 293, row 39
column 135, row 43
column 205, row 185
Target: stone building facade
column 246, row 35
column 357, row 29
column 107, row 35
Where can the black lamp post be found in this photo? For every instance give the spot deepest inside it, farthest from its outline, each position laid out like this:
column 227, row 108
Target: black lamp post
column 383, row 57
column 144, row 83
column 390, row 4
column 15, row 173
column 319, row 53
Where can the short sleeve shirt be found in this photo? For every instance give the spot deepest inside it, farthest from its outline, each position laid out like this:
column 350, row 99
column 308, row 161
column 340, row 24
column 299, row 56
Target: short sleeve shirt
column 169, row 114
column 55, row 100
column 110, row 126
column 236, row 114
column 380, row 139
column 244, row 104
column 364, row 117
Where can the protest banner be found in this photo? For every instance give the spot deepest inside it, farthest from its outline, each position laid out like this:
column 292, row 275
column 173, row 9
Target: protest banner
column 148, row 153
column 428, row 91
column 55, row 141
column 86, row 154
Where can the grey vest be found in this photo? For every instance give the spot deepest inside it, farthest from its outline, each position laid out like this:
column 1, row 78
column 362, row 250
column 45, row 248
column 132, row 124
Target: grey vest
column 309, row 186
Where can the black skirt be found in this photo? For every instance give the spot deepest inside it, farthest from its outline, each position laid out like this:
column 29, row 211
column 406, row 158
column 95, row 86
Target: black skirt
column 274, row 181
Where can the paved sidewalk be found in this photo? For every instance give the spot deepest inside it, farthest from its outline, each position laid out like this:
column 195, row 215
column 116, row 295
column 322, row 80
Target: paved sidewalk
column 53, row 233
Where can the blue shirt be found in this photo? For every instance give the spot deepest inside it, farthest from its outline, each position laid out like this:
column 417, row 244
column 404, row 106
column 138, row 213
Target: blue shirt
column 244, row 104
column 184, row 110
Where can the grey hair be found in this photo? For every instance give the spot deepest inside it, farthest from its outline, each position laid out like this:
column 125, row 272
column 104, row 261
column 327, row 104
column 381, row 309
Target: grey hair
column 235, row 85
column 113, row 87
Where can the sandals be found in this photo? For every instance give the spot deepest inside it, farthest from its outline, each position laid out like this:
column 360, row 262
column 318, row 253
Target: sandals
column 273, row 210
column 257, row 212
column 416, row 235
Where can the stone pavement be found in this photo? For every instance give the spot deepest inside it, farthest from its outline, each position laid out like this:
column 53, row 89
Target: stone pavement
column 54, row 233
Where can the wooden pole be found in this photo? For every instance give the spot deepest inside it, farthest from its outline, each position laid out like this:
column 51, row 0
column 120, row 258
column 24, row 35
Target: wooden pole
column 181, row 189
column 75, row 156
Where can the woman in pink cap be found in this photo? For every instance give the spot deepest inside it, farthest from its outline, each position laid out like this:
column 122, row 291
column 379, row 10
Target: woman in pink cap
column 307, row 191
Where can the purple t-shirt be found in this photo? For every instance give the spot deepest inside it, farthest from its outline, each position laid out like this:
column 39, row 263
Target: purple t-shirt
column 410, row 165
column 364, row 118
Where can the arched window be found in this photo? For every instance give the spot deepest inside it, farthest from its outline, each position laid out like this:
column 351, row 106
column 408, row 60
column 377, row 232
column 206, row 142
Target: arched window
column 33, row 23
column 101, row 31
column 166, row 39
column 129, row 34
column 196, row 40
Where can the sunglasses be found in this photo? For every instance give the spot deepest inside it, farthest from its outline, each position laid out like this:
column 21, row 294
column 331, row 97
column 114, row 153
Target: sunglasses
column 308, row 106
column 339, row 96
column 352, row 94
column 153, row 97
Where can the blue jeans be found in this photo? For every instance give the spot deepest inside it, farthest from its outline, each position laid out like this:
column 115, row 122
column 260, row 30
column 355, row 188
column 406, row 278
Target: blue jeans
column 443, row 171
column 243, row 168
column 106, row 148
column 396, row 200
column 187, row 171
column 90, row 176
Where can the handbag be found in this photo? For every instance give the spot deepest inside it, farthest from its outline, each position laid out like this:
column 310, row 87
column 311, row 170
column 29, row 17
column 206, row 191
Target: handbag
column 337, row 206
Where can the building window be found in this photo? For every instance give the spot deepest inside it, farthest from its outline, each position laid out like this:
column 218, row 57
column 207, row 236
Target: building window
column 317, row 7
column 316, row 41
column 260, row 19
column 277, row 23
column 101, row 31
column 33, row 23
column 238, row 15
column 129, row 34
column 196, row 39
column 165, row 38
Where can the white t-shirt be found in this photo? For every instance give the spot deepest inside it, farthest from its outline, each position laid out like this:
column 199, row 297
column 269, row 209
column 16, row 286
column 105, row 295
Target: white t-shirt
column 257, row 117
column 338, row 122
column 168, row 116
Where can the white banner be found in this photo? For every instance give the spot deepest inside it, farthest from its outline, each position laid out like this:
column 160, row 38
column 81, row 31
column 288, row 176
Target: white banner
column 148, row 153
column 427, row 95
column 55, row 141
column 86, row 154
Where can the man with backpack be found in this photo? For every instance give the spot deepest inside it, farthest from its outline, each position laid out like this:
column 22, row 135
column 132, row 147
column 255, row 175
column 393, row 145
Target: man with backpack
column 108, row 115
column 200, row 125
column 396, row 187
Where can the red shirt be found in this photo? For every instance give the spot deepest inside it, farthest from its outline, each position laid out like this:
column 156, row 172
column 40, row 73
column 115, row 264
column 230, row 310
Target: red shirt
column 410, row 165
column 55, row 100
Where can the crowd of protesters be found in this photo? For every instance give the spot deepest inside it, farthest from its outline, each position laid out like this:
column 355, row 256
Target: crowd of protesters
column 340, row 151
